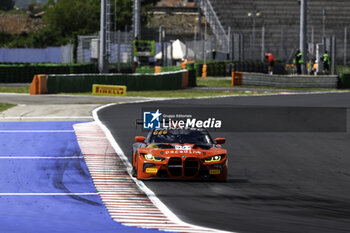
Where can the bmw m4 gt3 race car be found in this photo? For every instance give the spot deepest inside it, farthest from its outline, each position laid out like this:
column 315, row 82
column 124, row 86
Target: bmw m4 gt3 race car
column 179, row 153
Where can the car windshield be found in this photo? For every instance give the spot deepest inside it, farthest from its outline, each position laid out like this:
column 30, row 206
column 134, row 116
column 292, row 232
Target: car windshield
column 191, row 136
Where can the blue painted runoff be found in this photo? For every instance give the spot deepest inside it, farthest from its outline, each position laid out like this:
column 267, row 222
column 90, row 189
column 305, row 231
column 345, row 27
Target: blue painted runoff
column 49, row 213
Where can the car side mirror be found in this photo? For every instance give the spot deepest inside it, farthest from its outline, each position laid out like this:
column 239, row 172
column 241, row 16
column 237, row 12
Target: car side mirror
column 140, row 139
column 220, row 140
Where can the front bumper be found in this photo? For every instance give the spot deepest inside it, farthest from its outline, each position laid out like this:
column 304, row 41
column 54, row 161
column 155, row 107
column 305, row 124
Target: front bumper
column 182, row 168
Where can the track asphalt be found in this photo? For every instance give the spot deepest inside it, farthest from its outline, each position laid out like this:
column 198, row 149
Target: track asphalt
column 278, row 181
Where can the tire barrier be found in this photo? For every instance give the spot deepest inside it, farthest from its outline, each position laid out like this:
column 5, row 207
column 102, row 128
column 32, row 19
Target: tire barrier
column 79, row 83
column 290, row 81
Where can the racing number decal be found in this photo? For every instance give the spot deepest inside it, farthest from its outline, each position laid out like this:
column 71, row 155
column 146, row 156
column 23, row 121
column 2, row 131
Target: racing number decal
column 183, row 147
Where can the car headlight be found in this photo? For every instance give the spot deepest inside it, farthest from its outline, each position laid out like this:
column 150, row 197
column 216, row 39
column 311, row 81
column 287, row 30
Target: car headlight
column 151, row 157
column 212, row 159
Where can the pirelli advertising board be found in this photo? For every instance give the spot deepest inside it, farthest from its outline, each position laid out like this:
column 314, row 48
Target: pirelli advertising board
column 110, row 90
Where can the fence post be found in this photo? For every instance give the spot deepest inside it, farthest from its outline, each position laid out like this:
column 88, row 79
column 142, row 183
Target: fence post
column 161, row 45
column 241, row 47
column 232, row 47
column 345, row 44
column 263, row 44
column 119, row 52
column 281, row 42
column 334, row 54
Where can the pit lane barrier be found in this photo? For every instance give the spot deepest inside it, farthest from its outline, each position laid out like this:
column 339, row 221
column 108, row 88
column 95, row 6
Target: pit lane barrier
column 284, row 81
column 78, row 83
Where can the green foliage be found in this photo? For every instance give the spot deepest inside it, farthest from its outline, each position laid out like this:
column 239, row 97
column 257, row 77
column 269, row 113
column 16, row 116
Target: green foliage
column 344, row 80
column 151, row 70
column 124, row 14
column 80, row 83
column 124, row 68
column 343, row 69
column 6, row 5
column 68, row 17
column 4, row 106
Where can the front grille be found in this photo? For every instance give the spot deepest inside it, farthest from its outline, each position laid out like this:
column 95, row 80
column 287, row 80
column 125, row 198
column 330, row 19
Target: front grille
column 191, row 166
column 175, row 166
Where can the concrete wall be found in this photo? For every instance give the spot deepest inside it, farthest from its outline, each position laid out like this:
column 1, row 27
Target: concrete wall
column 292, row 81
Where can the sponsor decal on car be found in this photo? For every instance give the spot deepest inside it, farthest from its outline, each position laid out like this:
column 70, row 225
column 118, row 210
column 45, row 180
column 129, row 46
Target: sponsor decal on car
column 178, row 147
column 215, row 172
column 176, row 152
column 151, row 170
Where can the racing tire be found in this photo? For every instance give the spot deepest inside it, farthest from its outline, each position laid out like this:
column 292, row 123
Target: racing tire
column 134, row 172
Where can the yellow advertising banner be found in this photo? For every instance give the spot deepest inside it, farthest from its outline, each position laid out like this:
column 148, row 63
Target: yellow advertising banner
column 112, row 90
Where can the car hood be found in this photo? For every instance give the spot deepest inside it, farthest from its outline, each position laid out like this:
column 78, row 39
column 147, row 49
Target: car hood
column 173, row 149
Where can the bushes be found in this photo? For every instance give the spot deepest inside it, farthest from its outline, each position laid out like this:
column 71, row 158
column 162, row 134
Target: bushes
column 145, row 70
column 151, row 70
column 192, row 75
column 124, row 68
column 24, row 73
column 344, row 81
column 214, row 68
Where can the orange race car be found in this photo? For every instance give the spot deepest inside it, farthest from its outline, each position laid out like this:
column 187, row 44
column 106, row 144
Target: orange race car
column 179, row 153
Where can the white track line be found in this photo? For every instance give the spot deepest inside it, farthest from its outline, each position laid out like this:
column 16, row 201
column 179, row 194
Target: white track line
column 48, row 194
column 124, row 208
column 36, row 131
column 38, row 157
column 47, row 117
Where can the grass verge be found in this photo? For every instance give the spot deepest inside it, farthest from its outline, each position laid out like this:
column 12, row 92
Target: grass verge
column 213, row 83
column 4, row 106
column 21, row 90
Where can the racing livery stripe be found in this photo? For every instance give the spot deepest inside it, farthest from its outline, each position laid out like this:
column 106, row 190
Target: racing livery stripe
column 123, row 196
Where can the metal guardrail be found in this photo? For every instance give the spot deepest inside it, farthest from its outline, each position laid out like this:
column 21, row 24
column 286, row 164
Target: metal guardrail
column 214, row 22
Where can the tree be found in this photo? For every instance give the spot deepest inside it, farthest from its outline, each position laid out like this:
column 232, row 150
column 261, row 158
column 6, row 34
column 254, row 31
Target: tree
column 6, row 5
column 66, row 19
column 69, row 17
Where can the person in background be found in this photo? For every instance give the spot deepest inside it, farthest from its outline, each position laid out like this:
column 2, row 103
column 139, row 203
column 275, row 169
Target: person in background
column 298, row 60
column 271, row 61
column 314, row 68
column 326, row 62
